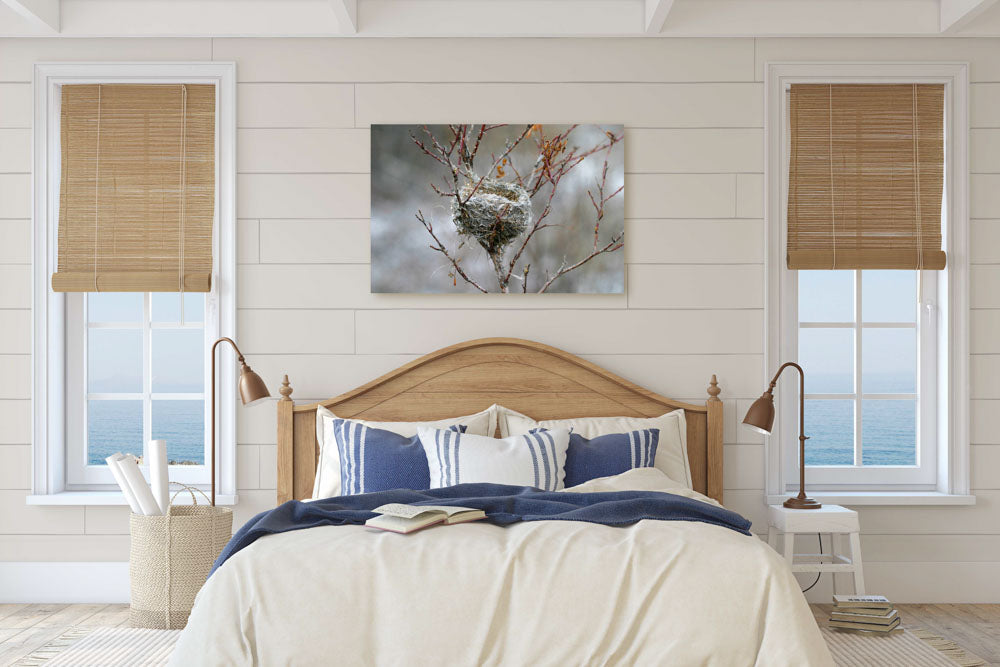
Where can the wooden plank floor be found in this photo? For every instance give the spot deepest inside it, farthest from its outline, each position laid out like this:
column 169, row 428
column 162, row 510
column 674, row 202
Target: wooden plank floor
column 26, row 627
column 974, row 627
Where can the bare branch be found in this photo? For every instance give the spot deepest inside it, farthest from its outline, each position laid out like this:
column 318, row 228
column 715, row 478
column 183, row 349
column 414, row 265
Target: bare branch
column 511, row 145
column 444, row 251
column 616, row 243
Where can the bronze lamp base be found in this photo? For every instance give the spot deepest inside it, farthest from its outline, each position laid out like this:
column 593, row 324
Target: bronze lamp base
column 802, row 503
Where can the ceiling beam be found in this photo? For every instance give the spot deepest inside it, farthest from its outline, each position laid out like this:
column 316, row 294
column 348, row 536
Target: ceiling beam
column 347, row 14
column 44, row 13
column 498, row 18
column 656, row 15
column 957, row 14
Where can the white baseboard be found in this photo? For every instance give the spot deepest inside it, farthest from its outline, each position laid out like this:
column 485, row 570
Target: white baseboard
column 58, row 582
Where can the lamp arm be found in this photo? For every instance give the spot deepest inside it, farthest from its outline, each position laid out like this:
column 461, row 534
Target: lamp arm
column 774, row 380
column 239, row 356
column 802, row 394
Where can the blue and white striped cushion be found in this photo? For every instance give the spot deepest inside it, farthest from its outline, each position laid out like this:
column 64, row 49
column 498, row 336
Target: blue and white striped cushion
column 609, row 454
column 372, row 459
column 533, row 459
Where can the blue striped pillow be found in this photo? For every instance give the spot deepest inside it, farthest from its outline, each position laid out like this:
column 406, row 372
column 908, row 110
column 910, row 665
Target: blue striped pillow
column 372, row 459
column 610, row 454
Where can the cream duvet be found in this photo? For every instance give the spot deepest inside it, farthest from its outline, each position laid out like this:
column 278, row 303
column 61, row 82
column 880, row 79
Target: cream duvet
column 540, row 593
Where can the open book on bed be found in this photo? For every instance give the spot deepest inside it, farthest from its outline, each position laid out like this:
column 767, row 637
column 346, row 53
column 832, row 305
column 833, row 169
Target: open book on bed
column 402, row 518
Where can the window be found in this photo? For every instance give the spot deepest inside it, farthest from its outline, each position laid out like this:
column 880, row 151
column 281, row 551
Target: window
column 136, row 371
column 116, row 369
column 884, row 351
column 861, row 337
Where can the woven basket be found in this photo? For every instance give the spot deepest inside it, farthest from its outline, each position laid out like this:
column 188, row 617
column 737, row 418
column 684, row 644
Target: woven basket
column 170, row 559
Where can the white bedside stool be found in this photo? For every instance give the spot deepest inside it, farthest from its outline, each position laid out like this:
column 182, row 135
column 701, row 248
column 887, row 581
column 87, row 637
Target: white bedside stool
column 832, row 519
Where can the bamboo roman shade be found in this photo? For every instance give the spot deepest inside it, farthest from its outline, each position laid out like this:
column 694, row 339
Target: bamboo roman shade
column 866, row 176
column 137, row 194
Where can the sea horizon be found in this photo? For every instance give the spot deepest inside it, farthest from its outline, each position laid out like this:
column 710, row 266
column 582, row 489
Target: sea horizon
column 116, row 426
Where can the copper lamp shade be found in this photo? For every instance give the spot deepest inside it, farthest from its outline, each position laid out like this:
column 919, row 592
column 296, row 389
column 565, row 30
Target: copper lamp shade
column 252, row 388
column 760, row 417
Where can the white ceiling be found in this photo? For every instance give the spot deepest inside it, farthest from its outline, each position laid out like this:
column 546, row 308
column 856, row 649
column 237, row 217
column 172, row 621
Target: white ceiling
column 498, row 18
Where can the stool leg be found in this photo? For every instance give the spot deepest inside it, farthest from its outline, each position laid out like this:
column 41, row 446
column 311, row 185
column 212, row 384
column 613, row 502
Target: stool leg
column 835, row 548
column 772, row 537
column 789, row 547
column 859, row 573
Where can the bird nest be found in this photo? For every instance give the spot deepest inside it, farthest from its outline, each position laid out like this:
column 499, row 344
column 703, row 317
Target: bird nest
column 494, row 214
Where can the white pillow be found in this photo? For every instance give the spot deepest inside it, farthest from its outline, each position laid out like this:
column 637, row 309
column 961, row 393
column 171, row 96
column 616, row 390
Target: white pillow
column 636, row 479
column 536, row 459
column 327, row 482
column 639, row 479
column 671, row 452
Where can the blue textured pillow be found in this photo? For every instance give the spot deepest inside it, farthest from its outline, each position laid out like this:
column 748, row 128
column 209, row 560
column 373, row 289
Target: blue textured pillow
column 610, row 454
column 372, row 459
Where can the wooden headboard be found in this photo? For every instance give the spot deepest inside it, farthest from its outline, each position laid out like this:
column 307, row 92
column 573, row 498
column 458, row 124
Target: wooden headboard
column 540, row 381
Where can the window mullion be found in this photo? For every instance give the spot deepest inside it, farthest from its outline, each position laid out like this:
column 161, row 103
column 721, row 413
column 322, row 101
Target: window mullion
column 147, row 374
column 858, row 389
column 85, row 387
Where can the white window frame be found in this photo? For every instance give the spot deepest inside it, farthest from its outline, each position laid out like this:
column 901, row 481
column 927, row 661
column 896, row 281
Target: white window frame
column 83, row 477
column 949, row 302
column 49, row 337
column 923, row 475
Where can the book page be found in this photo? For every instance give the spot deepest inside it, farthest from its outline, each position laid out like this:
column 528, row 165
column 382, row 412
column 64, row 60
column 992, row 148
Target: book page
column 406, row 511
column 398, row 524
column 449, row 510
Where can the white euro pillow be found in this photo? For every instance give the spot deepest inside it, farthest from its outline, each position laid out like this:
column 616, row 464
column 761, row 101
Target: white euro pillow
column 327, row 483
column 671, row 452
column 639, row 479
column 532, row 459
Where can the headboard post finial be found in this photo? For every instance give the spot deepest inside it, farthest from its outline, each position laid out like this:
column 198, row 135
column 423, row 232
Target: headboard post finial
column 285, row 390
column 286, row 443
column 713, row 389
column 713, row 446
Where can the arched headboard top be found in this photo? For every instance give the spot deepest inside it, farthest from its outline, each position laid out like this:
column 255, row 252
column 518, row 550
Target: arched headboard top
column 536, row 379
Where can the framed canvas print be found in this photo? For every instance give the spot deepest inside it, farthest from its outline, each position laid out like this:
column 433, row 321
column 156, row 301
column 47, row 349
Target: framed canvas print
column 498, row 208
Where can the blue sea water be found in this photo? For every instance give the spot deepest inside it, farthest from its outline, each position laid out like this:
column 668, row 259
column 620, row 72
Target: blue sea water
column 116, row 426
column 888, row 426
column 888, row 432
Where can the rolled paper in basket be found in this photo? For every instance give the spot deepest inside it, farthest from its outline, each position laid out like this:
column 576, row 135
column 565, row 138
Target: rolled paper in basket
column 158, row 474
column 122, row 482
column 147, row 503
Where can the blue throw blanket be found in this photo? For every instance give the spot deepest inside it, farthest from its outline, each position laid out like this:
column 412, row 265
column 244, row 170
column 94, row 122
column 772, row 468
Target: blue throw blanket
column 502, row 503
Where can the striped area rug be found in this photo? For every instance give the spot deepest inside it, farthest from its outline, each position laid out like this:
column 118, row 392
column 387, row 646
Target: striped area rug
column 914, row 648
column 100, row 647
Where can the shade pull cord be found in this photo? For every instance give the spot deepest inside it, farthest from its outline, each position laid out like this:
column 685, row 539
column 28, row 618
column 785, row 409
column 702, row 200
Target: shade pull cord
column 97, row 189
column 180, row 240
column 833, row 205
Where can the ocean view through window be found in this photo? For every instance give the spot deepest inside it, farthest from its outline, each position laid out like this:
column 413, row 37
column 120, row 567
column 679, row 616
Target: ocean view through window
column 858, row 342
column 145, row 374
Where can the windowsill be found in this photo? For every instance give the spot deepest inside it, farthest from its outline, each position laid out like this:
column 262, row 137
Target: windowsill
column 850, row 498
column 113, row 498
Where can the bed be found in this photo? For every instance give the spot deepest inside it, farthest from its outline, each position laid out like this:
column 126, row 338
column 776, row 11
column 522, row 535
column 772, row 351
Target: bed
column 545, row 592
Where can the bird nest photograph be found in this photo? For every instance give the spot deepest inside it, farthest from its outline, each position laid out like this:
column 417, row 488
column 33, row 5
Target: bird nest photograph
column 523, row 209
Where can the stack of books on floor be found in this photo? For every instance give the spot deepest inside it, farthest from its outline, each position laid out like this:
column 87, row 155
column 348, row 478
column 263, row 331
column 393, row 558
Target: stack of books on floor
column 864, row 613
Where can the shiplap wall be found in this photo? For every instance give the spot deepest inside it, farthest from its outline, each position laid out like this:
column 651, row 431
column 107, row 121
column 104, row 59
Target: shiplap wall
column 693, row 111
